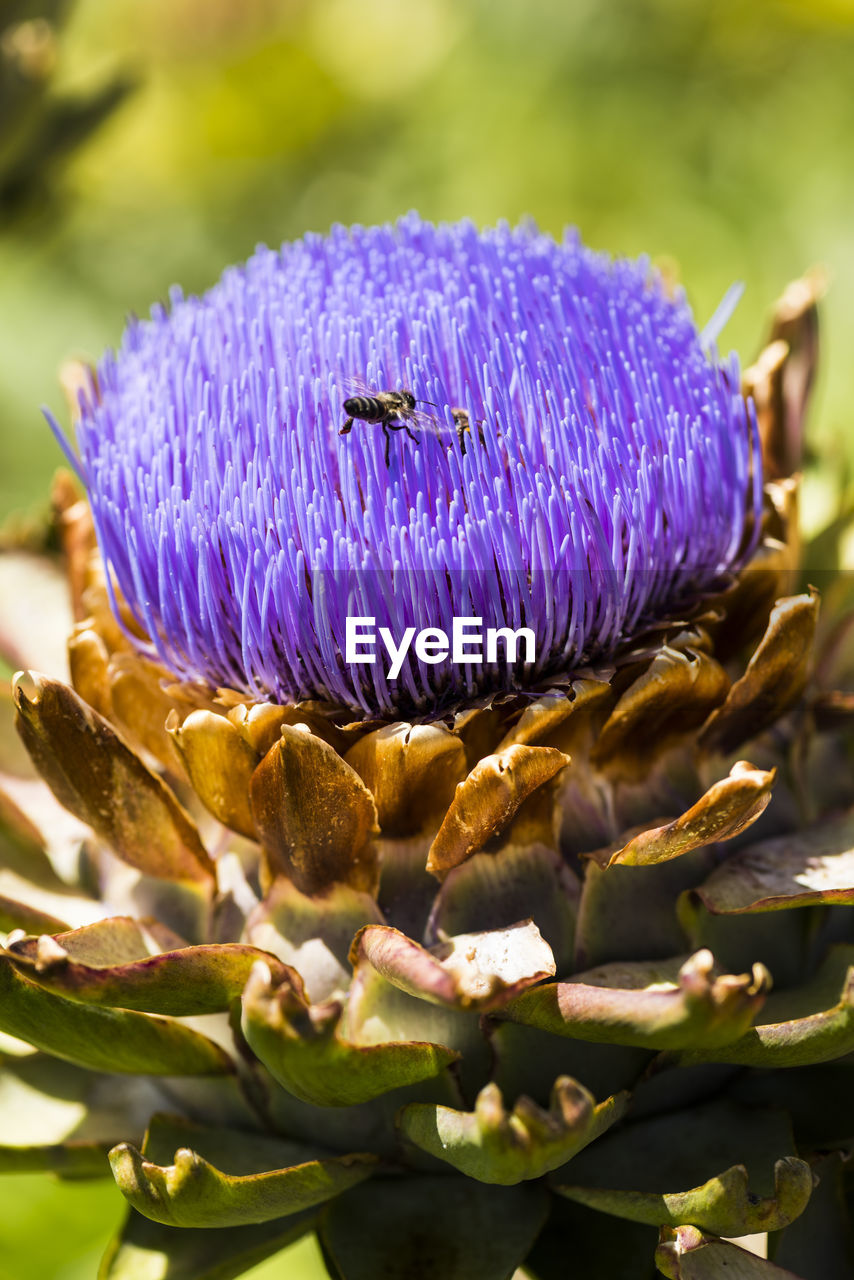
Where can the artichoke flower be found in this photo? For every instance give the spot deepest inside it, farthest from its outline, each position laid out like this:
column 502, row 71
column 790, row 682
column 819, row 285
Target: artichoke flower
column 466, row 968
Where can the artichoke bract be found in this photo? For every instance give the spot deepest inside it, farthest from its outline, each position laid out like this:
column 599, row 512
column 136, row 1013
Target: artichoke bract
column 467, row 969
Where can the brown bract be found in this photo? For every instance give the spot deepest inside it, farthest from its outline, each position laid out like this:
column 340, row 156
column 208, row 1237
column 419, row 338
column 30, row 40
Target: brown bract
column 412, row 771
column 781, row 379
column 486, row 801
column 95, row 775
column 314, row 815
column 726, row 809
column 775, row 677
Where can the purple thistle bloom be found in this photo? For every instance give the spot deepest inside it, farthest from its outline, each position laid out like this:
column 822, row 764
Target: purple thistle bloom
column 609, row 474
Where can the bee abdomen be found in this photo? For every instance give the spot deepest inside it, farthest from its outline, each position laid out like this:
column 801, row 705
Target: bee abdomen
column 363, row 407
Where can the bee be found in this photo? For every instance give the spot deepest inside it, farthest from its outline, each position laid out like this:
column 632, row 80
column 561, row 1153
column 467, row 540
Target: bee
column 463, row 425
column 393, row 410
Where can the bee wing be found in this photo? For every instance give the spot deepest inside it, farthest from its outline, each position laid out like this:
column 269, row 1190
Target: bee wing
column 427, row 420
column 355, row 386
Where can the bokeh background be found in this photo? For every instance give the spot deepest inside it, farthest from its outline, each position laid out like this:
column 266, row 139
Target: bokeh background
column 714, row 135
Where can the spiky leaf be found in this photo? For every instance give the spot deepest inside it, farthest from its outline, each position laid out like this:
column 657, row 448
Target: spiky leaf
column 261, row 1180
column 497, row 1146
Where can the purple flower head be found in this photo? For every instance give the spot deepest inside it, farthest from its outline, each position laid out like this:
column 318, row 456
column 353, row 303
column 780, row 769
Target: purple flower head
column 608, row 474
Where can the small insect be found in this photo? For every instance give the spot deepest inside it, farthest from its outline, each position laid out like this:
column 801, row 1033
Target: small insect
column 389, row 408
column 463, row 425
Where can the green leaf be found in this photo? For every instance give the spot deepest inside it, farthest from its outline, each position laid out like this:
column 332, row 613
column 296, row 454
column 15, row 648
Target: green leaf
column 378, row 1012
column 147, row 1250
column 611, row 928
column 494, row 890
column 53, row 1225
column 226, row 1100
column 636, row 1171
column 423, row 1228
column 724, row 1203
column 228, row 1146
column 300, row 1046
column 268, row 1179
column 32, row 895
column 103, row 1039
column 495, row 1146
column 807, row 1027
column 111, row 971
column 821, row 991
column 313, row 932
column 407, row 890
column 653, row 1006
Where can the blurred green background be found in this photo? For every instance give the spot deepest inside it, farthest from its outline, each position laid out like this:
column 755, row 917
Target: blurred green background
column 718, row 135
